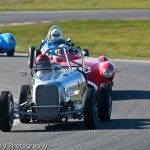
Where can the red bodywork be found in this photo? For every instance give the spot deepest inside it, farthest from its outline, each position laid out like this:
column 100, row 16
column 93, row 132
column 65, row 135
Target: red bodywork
column 97, row 67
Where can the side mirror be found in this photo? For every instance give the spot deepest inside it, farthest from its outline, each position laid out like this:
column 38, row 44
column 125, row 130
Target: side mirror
column 43, row 41
column 69, row 41
column 85, row 52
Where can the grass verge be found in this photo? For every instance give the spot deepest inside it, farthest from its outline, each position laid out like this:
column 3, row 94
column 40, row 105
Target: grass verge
column 117, row 39
column 47, row 5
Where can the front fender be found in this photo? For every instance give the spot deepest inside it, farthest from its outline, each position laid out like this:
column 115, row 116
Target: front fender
column 107, row 65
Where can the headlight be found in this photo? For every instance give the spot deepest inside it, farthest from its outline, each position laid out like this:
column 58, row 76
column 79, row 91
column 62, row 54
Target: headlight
column 11, row 40
column 108, row 73
column 70, row 92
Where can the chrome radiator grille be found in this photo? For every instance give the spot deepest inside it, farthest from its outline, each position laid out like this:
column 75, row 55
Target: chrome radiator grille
column 47, row 95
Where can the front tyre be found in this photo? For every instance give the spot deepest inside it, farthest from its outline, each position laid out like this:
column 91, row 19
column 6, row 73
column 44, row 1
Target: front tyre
column 24, row 97
column 6, row 111
column 91, row 119
column 105, row 102
column 11, row 53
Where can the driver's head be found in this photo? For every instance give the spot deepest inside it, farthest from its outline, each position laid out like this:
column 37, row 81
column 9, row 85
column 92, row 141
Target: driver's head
column 43, row 61
column 55, row 34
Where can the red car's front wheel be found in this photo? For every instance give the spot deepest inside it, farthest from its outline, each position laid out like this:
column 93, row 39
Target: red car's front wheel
column 105, row 102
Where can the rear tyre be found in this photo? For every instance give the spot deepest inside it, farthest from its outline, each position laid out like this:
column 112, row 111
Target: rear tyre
column 31, row 56
column 6, row 111
column 10, row 53
column 24, row 97
column 105, row 102
column 91, row 112
column 37, row 52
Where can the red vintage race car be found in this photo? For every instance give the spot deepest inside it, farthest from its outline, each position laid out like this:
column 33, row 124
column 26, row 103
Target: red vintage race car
column 99, row 73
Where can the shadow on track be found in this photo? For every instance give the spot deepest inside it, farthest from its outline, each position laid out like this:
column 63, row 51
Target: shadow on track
column 15, row 55
column 131, row 95
column 57, row 127
column 114, row 124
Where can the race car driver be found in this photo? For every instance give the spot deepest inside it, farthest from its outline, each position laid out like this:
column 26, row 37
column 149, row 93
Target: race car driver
column 42, row 66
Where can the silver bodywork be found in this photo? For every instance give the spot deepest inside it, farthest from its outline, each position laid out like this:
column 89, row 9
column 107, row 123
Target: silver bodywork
column 52, row 89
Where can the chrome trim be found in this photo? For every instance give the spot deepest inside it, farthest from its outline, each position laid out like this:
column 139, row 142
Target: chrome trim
column 50, row 106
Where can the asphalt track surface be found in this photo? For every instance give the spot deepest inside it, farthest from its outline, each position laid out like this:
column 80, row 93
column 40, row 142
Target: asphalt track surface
column 51, row 16
column 128, row 129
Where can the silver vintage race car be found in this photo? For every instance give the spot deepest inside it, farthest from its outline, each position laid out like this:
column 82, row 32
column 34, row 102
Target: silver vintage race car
column 57, row 93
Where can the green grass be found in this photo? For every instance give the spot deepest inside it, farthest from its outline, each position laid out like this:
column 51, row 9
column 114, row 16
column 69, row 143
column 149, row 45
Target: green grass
column 117, row 39
column 46, row 5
